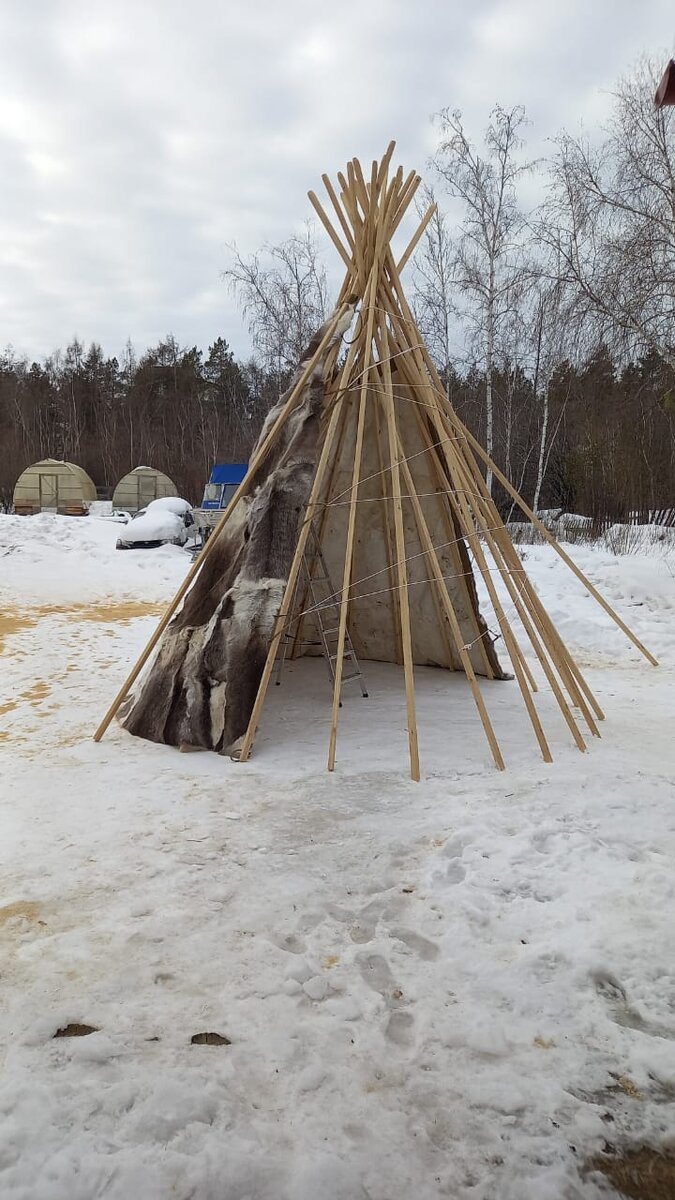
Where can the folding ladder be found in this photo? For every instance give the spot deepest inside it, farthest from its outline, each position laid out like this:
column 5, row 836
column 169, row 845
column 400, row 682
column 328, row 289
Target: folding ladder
column 325, row 608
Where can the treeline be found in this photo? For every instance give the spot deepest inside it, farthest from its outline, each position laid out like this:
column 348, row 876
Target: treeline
column 176, row 409
column 609, row 453
column 610, row 449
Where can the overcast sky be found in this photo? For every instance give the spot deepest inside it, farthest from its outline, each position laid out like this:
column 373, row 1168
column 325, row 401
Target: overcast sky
column 138, row 139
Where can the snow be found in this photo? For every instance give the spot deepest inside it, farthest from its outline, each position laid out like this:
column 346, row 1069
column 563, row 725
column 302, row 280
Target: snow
column 162, row 520
column 172, row 504
column 459, row 988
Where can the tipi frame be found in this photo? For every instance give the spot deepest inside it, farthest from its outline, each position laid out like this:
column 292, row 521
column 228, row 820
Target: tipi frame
column 387, row 364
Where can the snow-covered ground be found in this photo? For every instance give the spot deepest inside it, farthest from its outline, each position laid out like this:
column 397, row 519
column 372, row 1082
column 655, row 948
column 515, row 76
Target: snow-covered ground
column 459, row 988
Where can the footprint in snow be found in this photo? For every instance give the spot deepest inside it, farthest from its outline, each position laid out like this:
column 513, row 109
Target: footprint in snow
column 290, row 943
column 420, row 946
column 449, row 876
column 376, row 972
column 400, row 1028
column 621, row 1011
column 400, row 1024
column 361, row 934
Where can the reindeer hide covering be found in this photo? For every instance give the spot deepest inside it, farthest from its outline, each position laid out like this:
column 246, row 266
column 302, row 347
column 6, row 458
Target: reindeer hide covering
column 200, row 689
column 202, row 685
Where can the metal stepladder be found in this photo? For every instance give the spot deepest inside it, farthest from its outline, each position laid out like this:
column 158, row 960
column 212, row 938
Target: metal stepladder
column 324, row 606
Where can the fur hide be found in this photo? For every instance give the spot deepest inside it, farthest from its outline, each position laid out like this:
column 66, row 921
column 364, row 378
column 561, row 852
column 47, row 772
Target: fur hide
column 201, row 687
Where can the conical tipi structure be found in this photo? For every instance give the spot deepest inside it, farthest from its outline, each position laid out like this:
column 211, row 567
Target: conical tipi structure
column 366, row 459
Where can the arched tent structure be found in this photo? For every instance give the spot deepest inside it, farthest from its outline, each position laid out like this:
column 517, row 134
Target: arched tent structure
column 140, row 486
column 53, row 486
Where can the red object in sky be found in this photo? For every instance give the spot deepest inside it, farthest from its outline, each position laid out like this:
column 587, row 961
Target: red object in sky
column 665, row 92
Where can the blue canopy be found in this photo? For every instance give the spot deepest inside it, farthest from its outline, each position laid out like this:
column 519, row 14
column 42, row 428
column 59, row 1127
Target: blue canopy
column 228, row 472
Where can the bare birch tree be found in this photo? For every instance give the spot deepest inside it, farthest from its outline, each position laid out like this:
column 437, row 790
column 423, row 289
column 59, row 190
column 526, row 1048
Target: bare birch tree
column 283, row 293
column 552, row 332
column 433, row 284
column 610, row 220
column 488, row 262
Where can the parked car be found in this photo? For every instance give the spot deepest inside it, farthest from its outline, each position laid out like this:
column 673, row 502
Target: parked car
column 166, row 521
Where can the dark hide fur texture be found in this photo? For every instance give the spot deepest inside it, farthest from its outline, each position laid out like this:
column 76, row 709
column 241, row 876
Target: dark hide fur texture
column 201, row 687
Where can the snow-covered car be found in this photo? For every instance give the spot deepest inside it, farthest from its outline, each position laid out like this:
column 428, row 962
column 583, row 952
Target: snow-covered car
column 164, row 521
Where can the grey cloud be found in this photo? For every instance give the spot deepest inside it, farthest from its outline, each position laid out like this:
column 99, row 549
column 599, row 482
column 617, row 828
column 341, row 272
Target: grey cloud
column 137, row 140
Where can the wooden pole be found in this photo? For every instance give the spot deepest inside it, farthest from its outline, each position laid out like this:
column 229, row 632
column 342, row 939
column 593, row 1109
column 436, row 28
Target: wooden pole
column 289, row 590
column 318, row 208
column 569, row 672
column 339, row 211
column 385, row 163
column 453, row 523
column 429, row 549
column 404, row 603
column 349, row 200
column 387, row 523
column 407, row 194
column 565, row 663
column 369, row 204
column 366, row 350
column 346, row 579
column 344, row 408
column 412, row 244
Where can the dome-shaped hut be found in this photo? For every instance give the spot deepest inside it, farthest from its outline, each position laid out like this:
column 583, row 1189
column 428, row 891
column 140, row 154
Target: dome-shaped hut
column 54, row 486
column 140, row 486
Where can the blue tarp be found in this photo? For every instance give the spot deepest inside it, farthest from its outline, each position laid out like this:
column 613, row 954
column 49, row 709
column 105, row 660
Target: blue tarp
column 228, row 472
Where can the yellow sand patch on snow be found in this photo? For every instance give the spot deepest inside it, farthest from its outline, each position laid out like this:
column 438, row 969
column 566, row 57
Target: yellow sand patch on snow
column 121, row 611
column 107, row 611
column 9, row 736
column 29, row 910
column 631, row 1089
column 39, row 690
column 15, row 620
column 73, row 739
